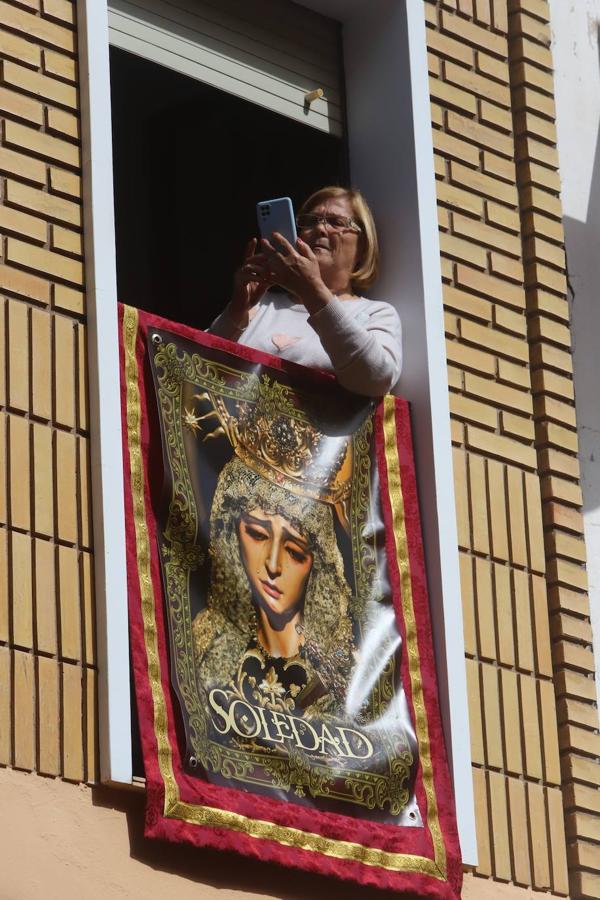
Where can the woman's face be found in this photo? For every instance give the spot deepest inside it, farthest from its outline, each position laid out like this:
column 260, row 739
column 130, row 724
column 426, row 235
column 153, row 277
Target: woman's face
column 277, row 559
column 336, row 250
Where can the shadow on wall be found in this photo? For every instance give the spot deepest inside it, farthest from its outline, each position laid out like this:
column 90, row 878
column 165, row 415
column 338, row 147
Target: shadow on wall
column 583, row 262
column 221, row 870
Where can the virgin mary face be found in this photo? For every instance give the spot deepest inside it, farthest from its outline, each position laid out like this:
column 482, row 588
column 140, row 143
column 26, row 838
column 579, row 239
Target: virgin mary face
column 278, row 560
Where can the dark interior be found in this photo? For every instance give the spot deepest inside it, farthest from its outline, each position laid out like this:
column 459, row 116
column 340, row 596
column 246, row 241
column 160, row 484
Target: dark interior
column 190, row 164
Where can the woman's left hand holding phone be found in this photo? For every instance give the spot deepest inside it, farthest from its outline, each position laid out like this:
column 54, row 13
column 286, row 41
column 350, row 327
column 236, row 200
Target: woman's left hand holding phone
column 250, row 283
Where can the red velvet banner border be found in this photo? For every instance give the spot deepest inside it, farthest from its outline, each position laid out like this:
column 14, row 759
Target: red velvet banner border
column 181, row 808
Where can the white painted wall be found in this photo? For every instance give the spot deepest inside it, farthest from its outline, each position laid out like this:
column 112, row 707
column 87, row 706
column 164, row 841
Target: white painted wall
column 575, row 28
column 114, row 703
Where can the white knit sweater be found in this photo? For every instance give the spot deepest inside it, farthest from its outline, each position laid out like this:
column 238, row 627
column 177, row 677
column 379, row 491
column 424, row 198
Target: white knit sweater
column 360, row 340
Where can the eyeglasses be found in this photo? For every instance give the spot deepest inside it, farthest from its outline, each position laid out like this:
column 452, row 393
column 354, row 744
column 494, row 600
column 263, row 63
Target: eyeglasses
column 335, row 223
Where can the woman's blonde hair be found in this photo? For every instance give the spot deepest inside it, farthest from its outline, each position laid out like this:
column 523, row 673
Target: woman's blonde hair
column 367, row 267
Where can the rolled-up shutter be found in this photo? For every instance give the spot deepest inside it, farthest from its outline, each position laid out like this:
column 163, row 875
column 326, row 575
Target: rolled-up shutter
column 270, row 52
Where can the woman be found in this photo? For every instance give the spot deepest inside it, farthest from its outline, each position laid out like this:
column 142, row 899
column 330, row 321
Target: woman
column 277, row 626
column 319, row 317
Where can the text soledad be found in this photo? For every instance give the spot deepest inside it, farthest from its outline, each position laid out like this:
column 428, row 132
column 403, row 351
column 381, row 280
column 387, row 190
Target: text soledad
column 254, row 722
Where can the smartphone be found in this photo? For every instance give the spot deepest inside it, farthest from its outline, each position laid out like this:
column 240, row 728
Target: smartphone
column 277, row 215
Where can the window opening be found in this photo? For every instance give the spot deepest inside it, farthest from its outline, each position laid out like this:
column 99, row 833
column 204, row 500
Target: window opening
column 190, row 164
column 392, row 160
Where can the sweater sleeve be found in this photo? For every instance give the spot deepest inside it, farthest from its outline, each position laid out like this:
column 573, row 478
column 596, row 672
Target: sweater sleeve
column 224, row 326
column 366, row 356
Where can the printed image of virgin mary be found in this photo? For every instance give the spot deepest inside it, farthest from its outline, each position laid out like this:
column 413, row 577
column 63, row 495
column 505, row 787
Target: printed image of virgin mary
column 277, row 626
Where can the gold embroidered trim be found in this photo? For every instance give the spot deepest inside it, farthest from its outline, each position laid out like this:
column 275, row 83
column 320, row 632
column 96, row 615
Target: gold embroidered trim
column 219, row 818
column 142, row 549
column 414, row 664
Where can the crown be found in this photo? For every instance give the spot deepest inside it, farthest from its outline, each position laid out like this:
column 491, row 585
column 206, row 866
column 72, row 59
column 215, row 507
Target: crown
column 277, row 440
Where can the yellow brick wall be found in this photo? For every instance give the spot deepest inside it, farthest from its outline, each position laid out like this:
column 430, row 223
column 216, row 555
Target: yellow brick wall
column 556, row 437
column 47, row 657
column 527, row 631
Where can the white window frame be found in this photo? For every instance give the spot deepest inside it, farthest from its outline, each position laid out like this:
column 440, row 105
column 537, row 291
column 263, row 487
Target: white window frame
column 389, row 136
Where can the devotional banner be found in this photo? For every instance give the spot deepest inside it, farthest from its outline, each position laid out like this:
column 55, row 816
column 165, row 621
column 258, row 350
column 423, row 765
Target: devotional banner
column 280, row 630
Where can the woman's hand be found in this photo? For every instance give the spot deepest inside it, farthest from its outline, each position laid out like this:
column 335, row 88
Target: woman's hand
column 250, row 284
column 296, row 269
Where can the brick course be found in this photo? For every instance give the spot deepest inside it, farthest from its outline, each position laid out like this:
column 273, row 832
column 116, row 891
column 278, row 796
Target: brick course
column 556, row 436
column 512, row 406
column 47, row 656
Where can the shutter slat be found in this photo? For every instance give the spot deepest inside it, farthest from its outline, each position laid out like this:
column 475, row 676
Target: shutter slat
column 283, row 19
column 237, row 30
column 242, row 57
column 218, row 79
column 228, row 40
column 191, row 59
